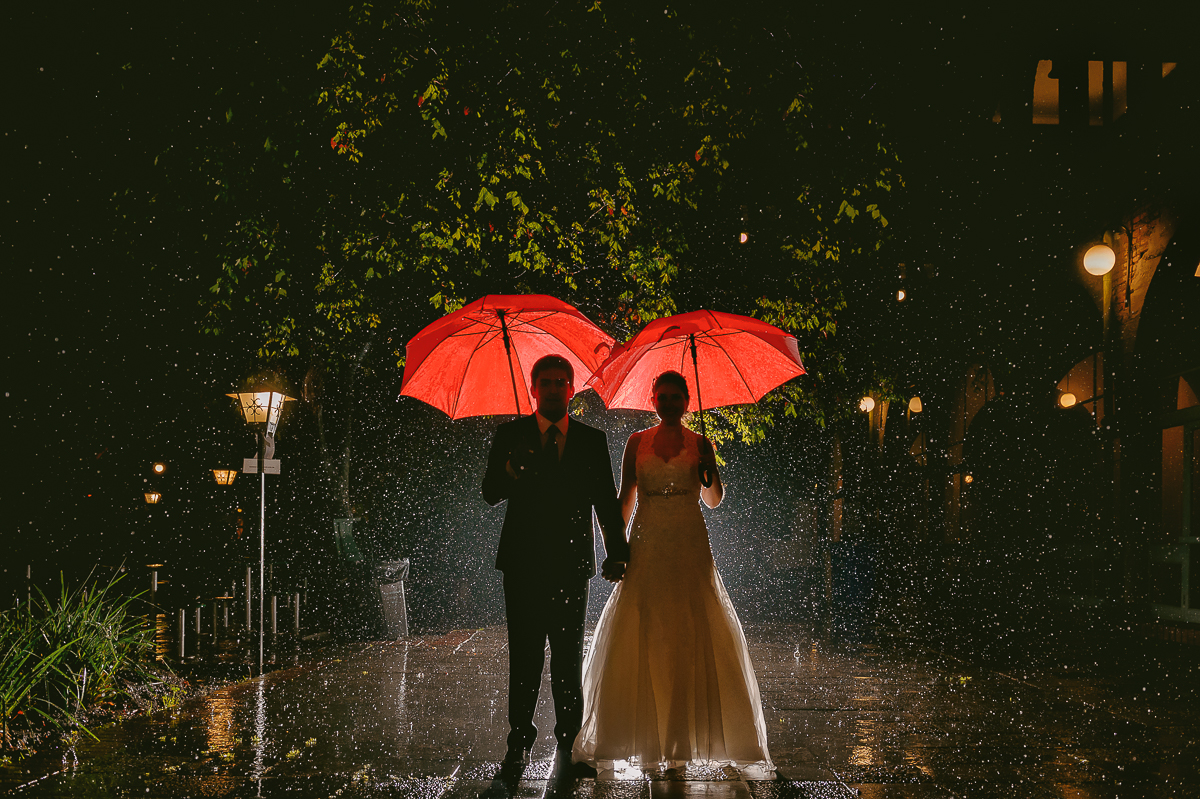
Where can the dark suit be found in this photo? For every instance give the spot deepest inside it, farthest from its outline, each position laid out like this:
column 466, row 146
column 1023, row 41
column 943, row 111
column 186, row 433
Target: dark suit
column 547, row 554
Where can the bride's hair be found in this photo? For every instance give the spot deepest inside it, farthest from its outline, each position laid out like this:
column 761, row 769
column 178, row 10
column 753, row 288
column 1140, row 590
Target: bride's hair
column 675, row 379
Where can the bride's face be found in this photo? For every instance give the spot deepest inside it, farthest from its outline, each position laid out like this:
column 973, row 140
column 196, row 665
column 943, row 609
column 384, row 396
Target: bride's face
column 669, row 402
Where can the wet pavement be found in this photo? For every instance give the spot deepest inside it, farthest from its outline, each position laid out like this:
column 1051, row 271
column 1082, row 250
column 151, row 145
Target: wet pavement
column 425, row 717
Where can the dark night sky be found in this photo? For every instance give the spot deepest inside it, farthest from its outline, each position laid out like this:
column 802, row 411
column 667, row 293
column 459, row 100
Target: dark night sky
column 105, row 370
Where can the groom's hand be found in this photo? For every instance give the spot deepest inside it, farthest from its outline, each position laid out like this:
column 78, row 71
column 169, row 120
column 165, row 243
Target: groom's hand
column 521, row 461
column 612, row 570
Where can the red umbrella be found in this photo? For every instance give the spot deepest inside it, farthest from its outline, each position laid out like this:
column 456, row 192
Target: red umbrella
column 732, row 359
column 462, row 363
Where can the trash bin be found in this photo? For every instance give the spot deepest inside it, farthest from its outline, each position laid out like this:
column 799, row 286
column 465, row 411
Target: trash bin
column 391, row 575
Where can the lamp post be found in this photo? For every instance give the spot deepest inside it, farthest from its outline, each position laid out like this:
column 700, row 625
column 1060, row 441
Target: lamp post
column 224, row 477
column 261, row 406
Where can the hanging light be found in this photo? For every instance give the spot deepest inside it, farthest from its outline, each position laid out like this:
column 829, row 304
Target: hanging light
column 224, row 477
column 1067, row 400
column 915, row 405
column 153, row 497
column 901, row 295
column 1099, row 260
column 866, row 404
column 159, row 467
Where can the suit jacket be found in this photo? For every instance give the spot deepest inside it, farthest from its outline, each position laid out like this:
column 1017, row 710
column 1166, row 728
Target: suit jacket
column 548, row 522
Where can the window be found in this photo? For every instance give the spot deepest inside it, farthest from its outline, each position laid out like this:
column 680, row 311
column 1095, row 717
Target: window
column 1045, row 95
column 1083, row 387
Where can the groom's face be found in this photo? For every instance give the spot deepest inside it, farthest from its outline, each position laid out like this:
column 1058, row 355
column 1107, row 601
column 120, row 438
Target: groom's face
column 553, row 390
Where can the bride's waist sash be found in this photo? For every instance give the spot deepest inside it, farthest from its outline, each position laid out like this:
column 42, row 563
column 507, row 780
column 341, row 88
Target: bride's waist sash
column 667, row 492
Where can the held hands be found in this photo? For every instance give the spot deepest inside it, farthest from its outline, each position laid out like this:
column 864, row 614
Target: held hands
column 612, row 570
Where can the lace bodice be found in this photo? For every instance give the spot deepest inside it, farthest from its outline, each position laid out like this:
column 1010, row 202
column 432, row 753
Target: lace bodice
column 677, row 477
column 668, row 525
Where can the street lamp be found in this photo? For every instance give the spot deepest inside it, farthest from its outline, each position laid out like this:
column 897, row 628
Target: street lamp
column 262, row 405
column 866, row 404
column 159, row 467
column 153, row 497
column 224, row 477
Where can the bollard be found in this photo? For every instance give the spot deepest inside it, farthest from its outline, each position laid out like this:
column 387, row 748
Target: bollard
column 153, row 586
column 29, row 588
column 249, row 595
column 225, row 607
column 197, row 624
column 214, row 622
column 182, row 630
column 274, row 627
column 296, row 614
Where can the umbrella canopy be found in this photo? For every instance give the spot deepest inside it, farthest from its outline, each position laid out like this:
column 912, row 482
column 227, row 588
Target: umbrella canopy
column 476, row 361
column 727, row 358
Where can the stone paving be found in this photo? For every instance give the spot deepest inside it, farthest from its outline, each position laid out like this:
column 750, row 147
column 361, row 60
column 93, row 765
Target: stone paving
column 425, row 717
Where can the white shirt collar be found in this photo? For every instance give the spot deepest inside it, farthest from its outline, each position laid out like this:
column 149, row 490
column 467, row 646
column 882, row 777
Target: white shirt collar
column 544, row 424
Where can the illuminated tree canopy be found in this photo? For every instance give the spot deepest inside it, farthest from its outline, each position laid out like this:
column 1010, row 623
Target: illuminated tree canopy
column 635, row 162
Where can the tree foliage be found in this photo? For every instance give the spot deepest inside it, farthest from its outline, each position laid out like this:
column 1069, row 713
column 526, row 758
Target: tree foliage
column 634, row 161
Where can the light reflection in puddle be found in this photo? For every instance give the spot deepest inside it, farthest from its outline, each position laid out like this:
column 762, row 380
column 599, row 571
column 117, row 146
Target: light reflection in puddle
column 220, row 706
column 260, row 730
column 162, row 637
column 864, row 753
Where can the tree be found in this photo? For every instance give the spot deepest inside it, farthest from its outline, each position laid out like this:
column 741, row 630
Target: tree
column 632, row 162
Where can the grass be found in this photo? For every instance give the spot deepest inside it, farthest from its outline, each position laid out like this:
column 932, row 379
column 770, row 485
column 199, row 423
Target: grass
column 61, row 657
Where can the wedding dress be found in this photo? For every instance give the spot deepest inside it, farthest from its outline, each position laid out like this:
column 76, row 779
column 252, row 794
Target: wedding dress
column 668, row 679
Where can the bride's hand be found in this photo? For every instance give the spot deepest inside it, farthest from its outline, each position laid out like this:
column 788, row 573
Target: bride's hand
column 708, row 463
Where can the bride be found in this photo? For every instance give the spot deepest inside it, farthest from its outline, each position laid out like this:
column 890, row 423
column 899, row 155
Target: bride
column 668, row 680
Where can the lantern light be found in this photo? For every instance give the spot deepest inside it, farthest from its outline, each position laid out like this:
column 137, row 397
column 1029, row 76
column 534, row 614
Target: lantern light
column 901, row 295
column 1099, row 260
column 260, row 407
column 915, row 405
column 968, row 479
column 153, row 497
column 224, row 477
column 866, row 404
column 1067, row 400
column 159, row 467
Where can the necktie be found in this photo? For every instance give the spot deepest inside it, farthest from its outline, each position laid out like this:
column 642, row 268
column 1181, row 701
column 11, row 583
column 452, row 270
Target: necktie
column 550, row 451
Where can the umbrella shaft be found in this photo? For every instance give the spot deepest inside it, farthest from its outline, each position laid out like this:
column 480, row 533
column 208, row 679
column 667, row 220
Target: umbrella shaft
column 508, row 352
column 696, row 372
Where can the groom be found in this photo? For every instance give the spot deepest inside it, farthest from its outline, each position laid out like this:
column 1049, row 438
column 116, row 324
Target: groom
column 553, row 470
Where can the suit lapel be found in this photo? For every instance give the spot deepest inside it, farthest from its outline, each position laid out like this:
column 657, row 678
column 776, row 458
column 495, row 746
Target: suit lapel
column 532, row 434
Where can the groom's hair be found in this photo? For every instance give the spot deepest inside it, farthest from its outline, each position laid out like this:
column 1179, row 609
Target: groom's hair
column 552, row 362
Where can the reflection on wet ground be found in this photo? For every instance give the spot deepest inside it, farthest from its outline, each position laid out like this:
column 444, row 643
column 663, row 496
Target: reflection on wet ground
column 426, row 717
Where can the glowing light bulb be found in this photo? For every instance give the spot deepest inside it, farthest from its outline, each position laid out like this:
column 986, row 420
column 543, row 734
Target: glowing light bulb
column 745, row 237
column 866, row 404
column 900, row 295
column 1067, row 400
column 1099, row 260
column 915, row 405
column 968, row 479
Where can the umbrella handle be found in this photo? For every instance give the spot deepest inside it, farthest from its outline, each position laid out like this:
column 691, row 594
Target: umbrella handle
column 706, row 478
column 508, row 352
